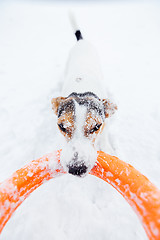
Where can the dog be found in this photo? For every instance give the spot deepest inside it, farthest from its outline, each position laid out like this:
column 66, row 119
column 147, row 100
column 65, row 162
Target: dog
column 82, row 109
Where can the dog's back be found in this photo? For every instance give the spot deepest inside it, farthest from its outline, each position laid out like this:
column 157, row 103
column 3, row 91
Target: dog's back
column 83, row 72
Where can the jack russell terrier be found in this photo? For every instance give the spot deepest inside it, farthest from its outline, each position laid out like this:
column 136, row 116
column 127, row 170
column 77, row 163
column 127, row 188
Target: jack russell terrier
column 82, row 109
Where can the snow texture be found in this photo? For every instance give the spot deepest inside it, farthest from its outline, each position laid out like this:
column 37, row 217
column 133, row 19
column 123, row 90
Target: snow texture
column 34, row 44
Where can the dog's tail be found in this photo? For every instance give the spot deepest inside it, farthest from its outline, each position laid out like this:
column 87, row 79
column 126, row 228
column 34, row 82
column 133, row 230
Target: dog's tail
column 75, row 26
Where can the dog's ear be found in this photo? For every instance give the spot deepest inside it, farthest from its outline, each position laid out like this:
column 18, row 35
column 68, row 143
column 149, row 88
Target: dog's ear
column 109, row 107
column 56, row 102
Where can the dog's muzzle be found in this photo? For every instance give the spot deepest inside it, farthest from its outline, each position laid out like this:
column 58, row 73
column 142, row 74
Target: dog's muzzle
column 78, row 157
column 77, row 168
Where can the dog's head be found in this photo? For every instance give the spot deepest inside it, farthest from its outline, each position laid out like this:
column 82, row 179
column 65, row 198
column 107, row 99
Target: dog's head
column 81, row 119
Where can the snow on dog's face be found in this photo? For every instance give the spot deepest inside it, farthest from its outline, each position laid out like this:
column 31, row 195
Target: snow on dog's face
column 81, row 119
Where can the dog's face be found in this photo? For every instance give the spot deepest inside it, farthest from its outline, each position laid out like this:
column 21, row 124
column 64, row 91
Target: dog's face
column 81, row 119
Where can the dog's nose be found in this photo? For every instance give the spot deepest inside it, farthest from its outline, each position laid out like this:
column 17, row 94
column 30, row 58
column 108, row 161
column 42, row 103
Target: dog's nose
column 77, row 169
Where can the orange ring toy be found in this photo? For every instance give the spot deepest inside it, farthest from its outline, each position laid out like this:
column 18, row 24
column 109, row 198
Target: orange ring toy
column 24, row 181
column 138, row 191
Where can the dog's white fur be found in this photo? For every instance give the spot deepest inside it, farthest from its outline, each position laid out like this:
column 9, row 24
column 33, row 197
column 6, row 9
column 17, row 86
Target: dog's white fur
column 83, row 74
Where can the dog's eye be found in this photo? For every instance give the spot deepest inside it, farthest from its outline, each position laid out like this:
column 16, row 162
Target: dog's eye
column 95, row 128
column 62, row 128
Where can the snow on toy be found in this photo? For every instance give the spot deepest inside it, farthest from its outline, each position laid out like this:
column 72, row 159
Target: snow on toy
column 138, row 191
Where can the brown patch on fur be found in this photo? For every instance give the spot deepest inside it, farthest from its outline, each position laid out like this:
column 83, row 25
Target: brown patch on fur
column 56, row 102
column 91, row 122
column 67, row 120
column 98, row 132
column 109, row 107
column 102, row 127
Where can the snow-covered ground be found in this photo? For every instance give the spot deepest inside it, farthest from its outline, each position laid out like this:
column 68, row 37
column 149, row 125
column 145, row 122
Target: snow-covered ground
column 35, row 39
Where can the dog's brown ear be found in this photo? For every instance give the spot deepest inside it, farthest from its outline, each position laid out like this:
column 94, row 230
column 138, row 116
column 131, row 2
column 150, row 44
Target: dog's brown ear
column 109, row 107
column 56, row 102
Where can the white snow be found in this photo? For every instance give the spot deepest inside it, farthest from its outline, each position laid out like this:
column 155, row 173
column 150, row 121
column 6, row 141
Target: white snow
column 35, row 38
